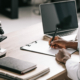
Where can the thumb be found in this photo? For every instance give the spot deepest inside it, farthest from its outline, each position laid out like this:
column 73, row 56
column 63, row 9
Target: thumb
column 64, row 59
column 54, row 43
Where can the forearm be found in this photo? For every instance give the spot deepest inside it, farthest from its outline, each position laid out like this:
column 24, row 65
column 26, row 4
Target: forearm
column 72, row 44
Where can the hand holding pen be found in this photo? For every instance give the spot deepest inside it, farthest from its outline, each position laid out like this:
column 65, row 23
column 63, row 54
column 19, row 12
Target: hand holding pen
column 50, row 41
column 58, row 42
column 53, row 37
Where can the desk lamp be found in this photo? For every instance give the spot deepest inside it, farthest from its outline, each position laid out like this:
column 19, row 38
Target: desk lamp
column 2, row 51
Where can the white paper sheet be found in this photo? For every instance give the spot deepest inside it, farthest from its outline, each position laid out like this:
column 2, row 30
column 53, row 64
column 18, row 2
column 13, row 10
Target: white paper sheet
column 44, row 48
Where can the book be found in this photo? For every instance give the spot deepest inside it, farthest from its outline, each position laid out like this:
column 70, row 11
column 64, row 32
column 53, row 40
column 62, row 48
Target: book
column 32, row 75
column 43, row 47
column 16, row 65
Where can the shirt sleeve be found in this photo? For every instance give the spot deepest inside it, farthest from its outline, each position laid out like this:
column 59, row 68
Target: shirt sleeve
column 73, row 69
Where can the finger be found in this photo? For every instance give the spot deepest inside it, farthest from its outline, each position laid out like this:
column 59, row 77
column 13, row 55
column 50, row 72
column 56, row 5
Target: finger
column 50, row 41
column 53, row 43
column 52, row 46
column 55, row 46
column 70, row 55
column 56, row 38
column 58, row 59
column 60, row 51
column 58, row 56
column 64, row 59
column 61, row 46
column 55, row 55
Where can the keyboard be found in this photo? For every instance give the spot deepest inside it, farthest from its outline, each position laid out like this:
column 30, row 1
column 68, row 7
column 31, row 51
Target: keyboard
column 67, row 33
column 72, row 35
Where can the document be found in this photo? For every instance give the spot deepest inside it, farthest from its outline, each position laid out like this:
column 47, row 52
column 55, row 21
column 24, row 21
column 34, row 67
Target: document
column 43, row 47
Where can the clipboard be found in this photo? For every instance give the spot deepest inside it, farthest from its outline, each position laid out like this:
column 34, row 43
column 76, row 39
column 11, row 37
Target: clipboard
column 43, row 47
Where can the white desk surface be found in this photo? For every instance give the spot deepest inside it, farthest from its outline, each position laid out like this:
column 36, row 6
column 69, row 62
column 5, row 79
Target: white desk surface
column 22, row 37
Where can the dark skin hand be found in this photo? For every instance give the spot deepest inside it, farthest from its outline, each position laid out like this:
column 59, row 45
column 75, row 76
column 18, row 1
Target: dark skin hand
column 58, row 43
column 62, row 55
column 61, row 43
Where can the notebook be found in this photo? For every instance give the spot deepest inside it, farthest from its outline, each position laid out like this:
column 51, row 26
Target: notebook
column 43, row 47
column 16, row 65
column 32, row 75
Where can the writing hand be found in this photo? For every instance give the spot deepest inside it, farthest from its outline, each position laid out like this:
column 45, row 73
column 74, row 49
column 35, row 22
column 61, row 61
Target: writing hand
column 58, row 43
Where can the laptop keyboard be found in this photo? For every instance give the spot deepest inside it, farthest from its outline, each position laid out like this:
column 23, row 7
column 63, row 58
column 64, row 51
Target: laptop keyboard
column 64, row 34
column 67, row 33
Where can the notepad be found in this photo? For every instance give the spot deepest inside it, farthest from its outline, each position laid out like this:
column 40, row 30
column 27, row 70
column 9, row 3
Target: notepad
column 43, row 47
column 16, row 65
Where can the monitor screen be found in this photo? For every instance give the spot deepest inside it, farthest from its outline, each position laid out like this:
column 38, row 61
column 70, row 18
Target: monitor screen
column 59, row 14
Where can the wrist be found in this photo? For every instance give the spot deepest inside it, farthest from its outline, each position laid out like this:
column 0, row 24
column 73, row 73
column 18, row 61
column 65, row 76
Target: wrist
column 67, row 44
column 66, row 58
column 71, row 44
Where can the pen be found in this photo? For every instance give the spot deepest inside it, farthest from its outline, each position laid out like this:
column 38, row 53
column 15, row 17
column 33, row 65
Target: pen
column 53, row 36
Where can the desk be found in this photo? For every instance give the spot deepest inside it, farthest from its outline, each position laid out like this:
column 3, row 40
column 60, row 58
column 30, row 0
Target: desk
column 22, row 37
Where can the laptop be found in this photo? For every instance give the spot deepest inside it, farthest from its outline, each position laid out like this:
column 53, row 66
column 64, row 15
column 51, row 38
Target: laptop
column 61, row 14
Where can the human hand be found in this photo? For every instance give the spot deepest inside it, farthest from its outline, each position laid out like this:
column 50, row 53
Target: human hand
column 63, row 55
column 58, row 43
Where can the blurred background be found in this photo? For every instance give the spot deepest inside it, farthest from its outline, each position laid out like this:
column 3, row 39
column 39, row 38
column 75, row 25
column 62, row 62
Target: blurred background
column 19, row 14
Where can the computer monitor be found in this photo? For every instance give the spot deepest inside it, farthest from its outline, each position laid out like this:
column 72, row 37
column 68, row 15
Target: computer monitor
column 59, row 14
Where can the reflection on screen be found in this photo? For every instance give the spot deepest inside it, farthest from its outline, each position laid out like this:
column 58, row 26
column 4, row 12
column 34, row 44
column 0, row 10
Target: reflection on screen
column 61, row 15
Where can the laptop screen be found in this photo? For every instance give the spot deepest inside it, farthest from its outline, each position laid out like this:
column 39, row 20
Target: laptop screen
column 59, row 14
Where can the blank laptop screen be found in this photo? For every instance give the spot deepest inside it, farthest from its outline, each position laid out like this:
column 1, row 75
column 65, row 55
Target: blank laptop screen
column 60, row 14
